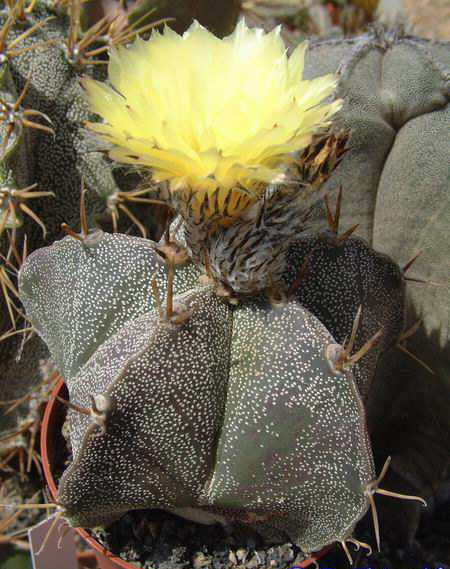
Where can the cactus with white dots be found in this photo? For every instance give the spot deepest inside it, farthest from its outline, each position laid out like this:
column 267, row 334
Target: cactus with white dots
column 225, row 407
column 237, row 409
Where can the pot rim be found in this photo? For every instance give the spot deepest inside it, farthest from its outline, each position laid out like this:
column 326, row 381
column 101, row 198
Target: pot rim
column 52, row 404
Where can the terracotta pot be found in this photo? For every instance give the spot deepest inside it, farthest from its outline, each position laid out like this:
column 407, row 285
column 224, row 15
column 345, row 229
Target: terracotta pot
column 51, row 443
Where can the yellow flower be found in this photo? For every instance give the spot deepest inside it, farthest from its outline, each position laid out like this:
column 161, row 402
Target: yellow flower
column 208, row 115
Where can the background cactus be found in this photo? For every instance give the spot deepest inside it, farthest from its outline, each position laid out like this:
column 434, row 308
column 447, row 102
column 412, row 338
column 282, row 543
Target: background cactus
column 51, row 159
column 395, row 177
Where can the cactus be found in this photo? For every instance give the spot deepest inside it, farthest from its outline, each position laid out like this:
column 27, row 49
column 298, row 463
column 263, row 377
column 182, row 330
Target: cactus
column 288, row 342
column 251, row 349
column 267, row 376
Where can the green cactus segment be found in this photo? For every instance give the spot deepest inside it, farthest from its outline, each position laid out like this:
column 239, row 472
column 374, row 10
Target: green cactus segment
column 418, row 163
column 77, row 296
column 294, row 442
column 397, row 97
column 339, row 278
column 386, row 81
column 396, row 91
column 169, row 384
column 401, row 99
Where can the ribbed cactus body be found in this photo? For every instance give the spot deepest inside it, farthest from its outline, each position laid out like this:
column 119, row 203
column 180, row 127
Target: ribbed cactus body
column 235, row 411
column 341, row 277
column 169, row 387
column 294, row 443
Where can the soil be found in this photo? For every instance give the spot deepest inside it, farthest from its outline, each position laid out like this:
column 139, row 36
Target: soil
column 154, row 539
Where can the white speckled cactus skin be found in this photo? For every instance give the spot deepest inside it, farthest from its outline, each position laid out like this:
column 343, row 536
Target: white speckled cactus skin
column 341, row 277
column 94, row 293
column 236, row 410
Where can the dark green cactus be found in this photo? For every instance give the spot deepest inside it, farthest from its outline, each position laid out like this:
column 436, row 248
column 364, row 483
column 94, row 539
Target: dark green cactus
column 339, row 278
